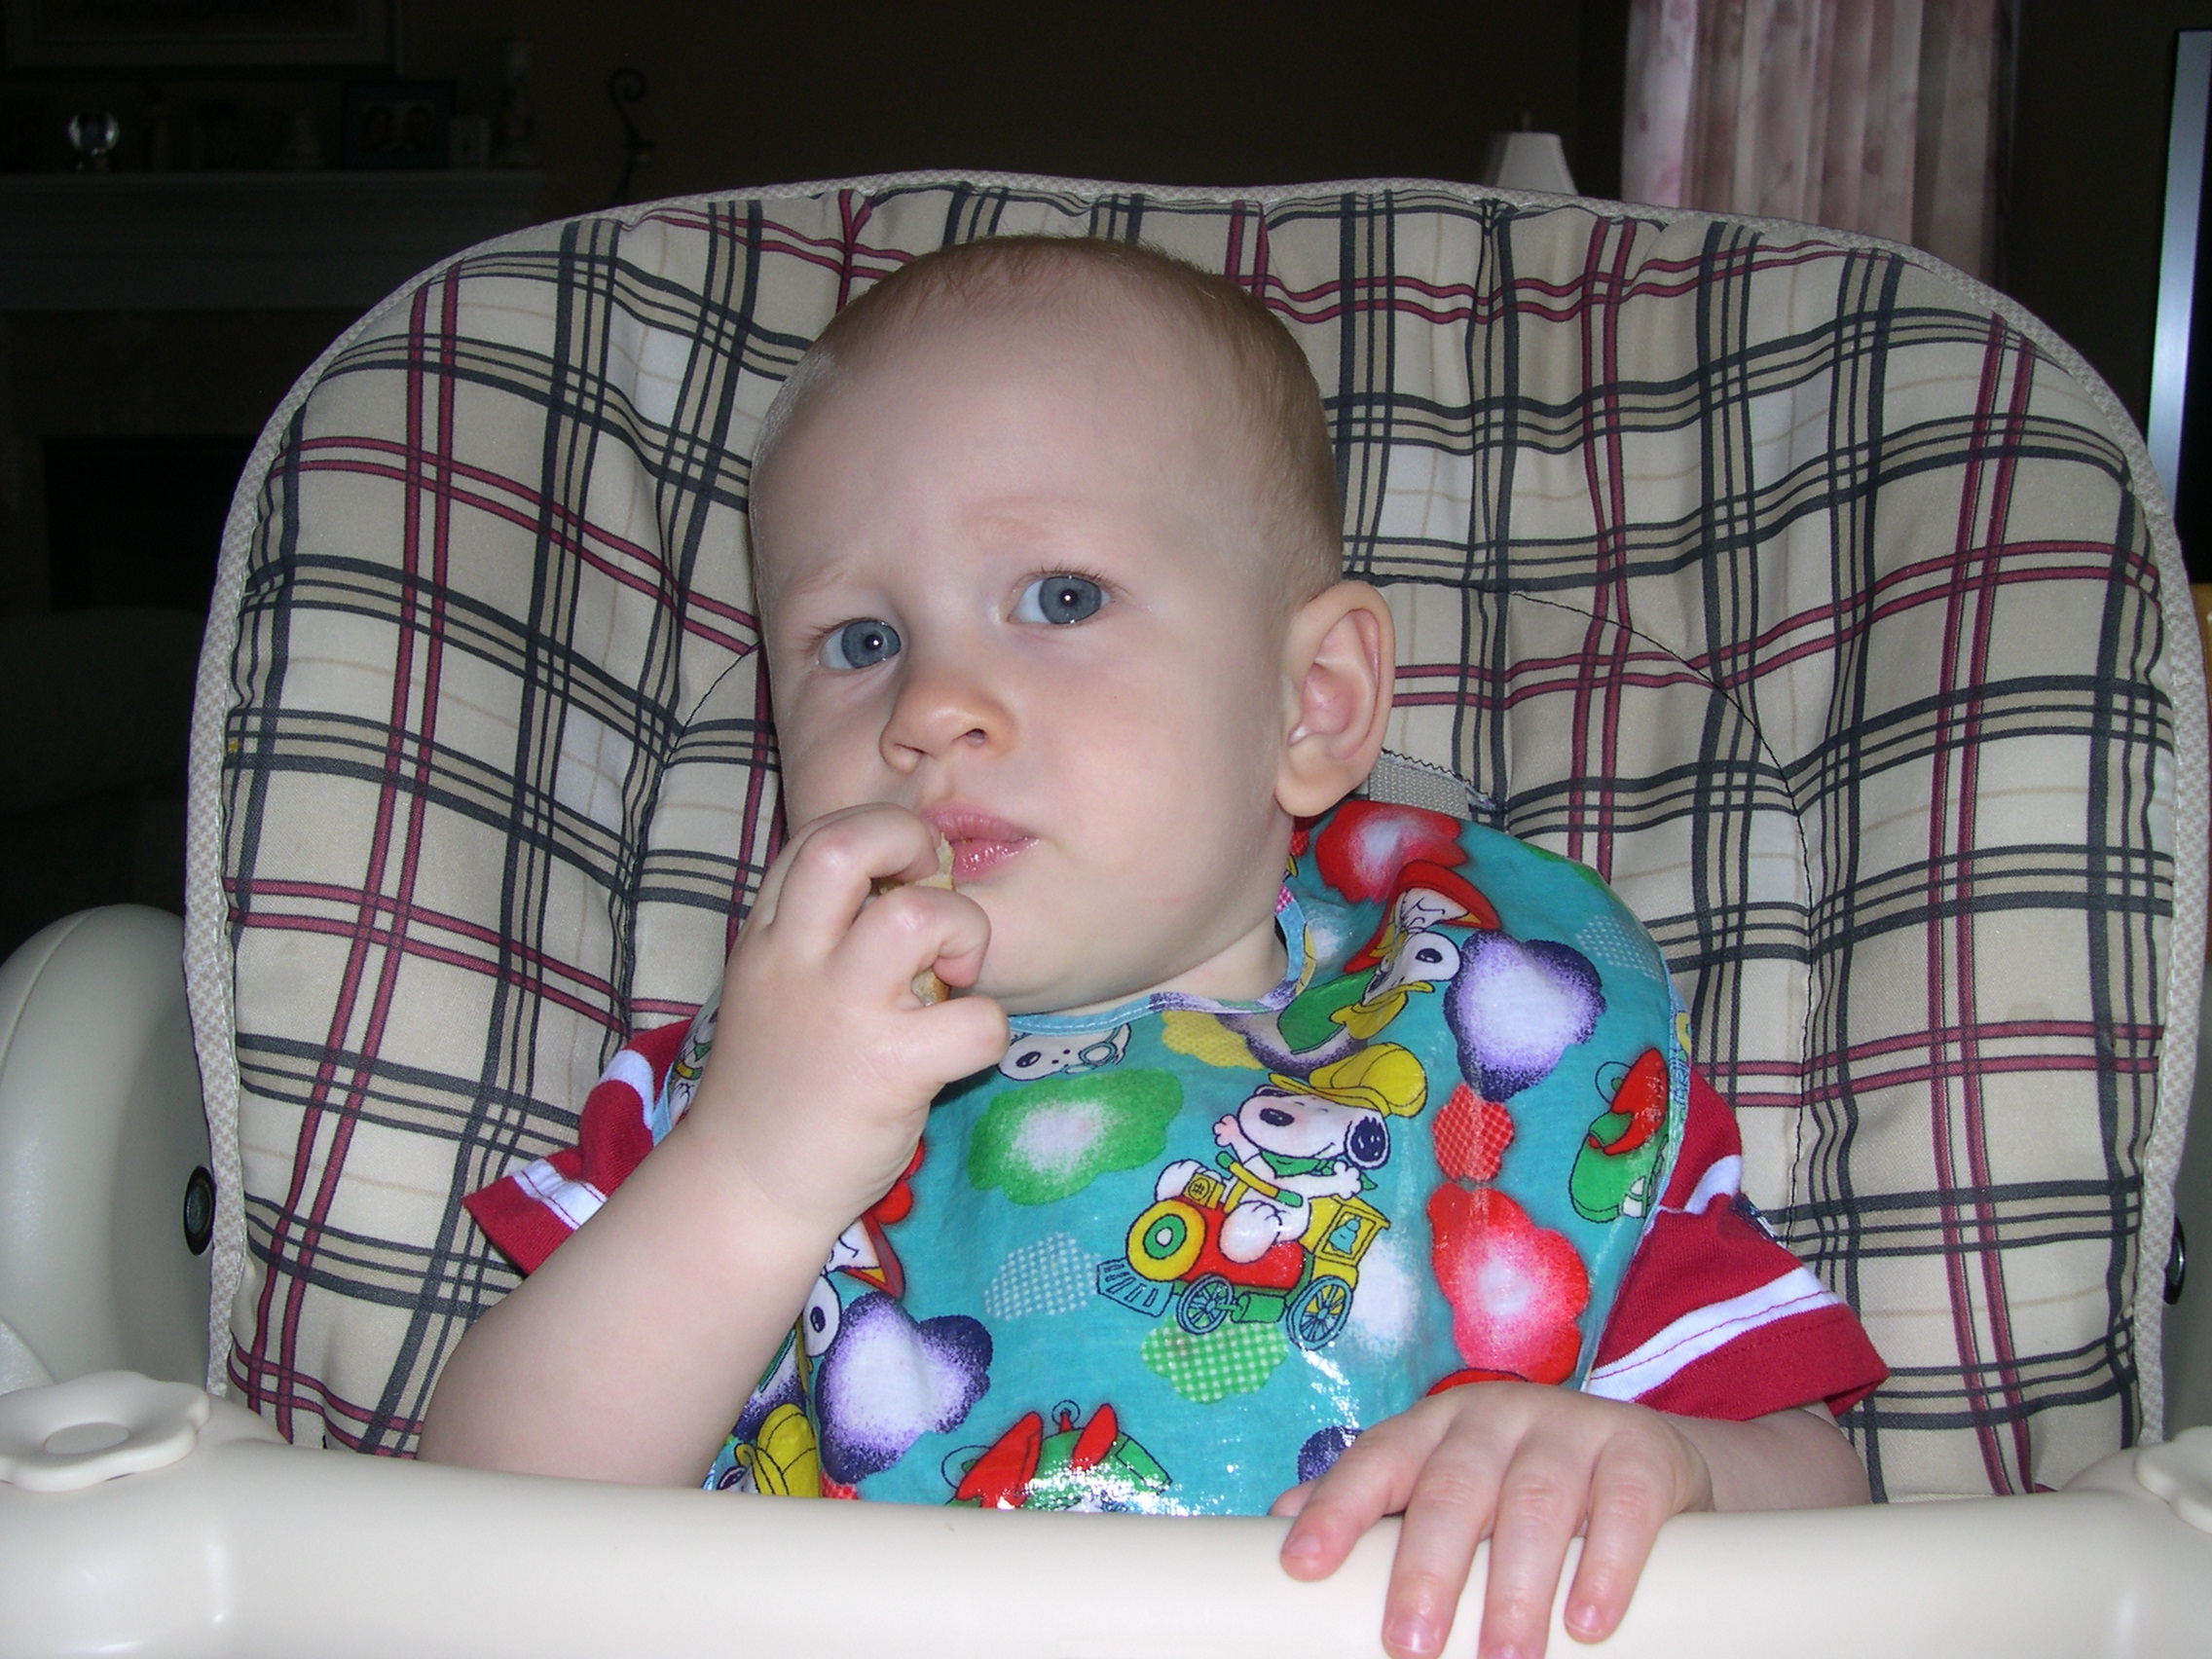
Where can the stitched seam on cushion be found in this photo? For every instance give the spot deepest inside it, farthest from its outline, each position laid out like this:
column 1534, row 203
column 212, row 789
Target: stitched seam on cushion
column 1796, row 822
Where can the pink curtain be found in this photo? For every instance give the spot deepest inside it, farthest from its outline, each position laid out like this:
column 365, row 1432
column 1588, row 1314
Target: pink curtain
column 1882, row 116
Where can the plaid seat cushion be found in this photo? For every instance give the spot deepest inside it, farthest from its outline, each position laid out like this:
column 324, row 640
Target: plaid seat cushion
column 1806, row 591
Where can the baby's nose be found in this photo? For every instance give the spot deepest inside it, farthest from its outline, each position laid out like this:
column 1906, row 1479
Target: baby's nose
column 942, row 710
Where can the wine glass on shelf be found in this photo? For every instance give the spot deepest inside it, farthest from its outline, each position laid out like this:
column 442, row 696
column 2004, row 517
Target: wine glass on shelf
column 94, row 134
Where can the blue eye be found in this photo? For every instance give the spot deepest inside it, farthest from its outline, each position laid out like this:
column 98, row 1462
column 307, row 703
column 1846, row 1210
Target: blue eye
column 860, row 644
column 1059, row 600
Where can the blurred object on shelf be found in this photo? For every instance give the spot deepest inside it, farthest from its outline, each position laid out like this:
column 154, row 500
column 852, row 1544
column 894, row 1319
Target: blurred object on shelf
column 218, row 137
column 298, row 149
column 1528, row 160
column 396, row 124
column 515, row 131
column 469, row 141
column 624, row 87
column 157, row 140
column 94, row 134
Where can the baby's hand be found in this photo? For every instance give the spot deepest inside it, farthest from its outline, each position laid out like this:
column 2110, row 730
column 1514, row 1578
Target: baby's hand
column 824, row 1060
column 1524, row 1466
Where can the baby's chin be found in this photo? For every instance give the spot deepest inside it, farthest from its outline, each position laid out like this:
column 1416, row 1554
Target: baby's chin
column 1029, row 987
column 1019, row 998
column 1083, row 988
column 1033, row 966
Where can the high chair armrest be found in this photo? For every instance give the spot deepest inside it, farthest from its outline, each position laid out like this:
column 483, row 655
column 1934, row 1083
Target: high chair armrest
column 100, row 1134
column 243, row 1546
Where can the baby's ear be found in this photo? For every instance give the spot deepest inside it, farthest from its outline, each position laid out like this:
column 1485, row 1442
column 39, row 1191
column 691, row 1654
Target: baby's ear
column 1340, row 659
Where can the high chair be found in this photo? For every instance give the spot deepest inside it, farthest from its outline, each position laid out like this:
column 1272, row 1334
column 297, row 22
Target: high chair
column 1815, row 595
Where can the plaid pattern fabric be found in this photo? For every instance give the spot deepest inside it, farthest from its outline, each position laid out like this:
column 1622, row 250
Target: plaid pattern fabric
column 1802, row 589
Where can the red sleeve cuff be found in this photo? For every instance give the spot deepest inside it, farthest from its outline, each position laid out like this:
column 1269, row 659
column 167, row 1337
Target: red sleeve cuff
column 1716, row 1318
column 1823, row 1357
column 532, row 1209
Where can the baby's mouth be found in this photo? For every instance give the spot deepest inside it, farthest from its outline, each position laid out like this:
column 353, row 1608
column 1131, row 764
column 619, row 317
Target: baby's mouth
column 981, row 841
column 973, row 857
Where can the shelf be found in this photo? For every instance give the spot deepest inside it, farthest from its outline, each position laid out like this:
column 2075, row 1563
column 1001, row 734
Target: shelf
column 240, row 240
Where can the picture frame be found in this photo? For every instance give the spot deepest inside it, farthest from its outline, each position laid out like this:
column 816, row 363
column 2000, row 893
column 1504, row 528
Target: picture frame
column 403, row 125
column 141, row 36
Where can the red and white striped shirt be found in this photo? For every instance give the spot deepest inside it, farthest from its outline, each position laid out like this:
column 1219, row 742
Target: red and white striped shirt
column 1716, row 1318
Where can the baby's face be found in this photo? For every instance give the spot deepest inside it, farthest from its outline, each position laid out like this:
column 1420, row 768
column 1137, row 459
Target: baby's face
column 1014, row 582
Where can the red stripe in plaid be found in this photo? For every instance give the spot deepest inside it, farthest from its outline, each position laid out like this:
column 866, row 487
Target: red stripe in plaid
column 2008, row 370
column 415, row 932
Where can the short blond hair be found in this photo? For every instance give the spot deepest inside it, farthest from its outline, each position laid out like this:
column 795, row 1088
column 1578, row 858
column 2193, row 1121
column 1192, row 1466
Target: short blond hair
column 1271, row 386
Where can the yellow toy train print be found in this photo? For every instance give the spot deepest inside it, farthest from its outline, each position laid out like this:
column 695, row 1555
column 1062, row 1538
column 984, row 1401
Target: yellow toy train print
column 1175, row 1261
column 1276, row 1231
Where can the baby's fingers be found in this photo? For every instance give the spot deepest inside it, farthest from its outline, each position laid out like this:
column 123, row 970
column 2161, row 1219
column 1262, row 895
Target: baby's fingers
column 1632, row 1494
column 1455, row 1502
column 1539, row 1509
column 1374, row 1478
column 964, row 1035
column 1441, row 1468
column 915, row 930
column 822, row 878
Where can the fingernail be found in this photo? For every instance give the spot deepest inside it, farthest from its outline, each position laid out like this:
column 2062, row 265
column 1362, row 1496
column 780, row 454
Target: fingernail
column 1582, row 1618
column 1302, row 1549
column 1412, row 1634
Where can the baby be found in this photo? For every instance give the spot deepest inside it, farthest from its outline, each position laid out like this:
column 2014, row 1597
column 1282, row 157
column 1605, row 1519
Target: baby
column 1239, row 1190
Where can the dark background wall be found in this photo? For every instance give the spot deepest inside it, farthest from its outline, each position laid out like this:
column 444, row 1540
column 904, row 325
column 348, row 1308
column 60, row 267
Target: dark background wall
column 2095, row 80
column 1159, row 91
column 1151, row 90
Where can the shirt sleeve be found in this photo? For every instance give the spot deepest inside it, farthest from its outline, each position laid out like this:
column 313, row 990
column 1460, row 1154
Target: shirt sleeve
column 530, row 1209
column 1716, row 1318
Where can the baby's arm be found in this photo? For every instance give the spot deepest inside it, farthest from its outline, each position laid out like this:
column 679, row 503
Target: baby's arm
column 1528, row 1467
column 628, row 1353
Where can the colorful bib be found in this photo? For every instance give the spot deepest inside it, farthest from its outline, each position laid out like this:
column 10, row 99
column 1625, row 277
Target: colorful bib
column 1172, row 1257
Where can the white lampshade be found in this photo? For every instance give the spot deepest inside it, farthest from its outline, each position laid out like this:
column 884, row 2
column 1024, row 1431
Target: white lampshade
column 1528, row 160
